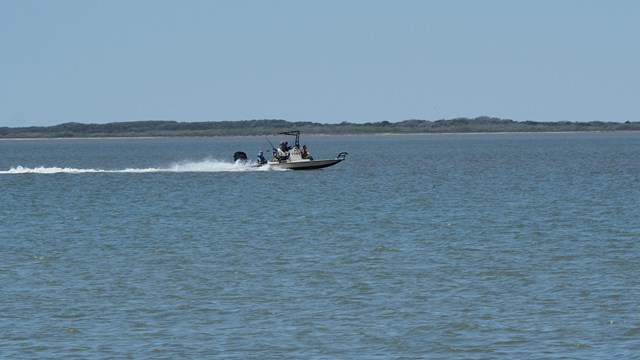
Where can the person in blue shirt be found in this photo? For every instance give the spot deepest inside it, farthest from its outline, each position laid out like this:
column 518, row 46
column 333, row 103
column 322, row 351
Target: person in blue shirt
column 261, row 159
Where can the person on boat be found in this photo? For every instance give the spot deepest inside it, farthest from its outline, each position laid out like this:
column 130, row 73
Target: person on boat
column 261, row 159
column 282, row 150
column 304, row 152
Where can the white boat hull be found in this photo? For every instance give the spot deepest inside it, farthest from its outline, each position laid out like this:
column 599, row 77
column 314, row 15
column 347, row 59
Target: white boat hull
column 303, row 164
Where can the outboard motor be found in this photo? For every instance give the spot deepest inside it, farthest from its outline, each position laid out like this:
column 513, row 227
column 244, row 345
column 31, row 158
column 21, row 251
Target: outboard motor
column 239, row 155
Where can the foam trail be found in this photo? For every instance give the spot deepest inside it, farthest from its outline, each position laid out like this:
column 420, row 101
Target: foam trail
column 180, row 167
column 48, row 170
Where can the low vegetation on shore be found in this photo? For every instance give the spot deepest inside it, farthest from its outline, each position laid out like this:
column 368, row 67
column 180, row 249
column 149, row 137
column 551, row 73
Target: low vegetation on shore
column 265, row 127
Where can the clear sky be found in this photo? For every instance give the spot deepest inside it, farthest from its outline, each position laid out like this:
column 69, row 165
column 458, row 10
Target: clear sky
column 327, row 61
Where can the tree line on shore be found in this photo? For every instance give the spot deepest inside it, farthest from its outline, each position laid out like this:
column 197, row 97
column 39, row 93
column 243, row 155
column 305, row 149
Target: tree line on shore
column 154, row 128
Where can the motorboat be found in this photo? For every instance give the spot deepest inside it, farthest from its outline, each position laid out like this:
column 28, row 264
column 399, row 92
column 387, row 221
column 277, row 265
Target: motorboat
column 291, row 157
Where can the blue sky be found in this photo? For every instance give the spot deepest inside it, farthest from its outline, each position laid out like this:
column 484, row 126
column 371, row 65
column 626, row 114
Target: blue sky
column 323, row 61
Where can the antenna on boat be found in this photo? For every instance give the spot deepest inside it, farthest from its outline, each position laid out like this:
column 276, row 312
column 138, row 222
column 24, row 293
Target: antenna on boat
column 273, row 147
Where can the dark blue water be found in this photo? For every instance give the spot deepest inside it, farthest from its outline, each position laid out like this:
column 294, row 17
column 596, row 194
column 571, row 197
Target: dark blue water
column 453, row 246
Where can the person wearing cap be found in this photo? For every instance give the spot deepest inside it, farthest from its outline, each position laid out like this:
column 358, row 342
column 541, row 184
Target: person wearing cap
column 261, row 159
column 303, row 152
column 282, row 150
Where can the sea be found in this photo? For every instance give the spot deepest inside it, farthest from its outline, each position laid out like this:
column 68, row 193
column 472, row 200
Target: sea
column 467, row 246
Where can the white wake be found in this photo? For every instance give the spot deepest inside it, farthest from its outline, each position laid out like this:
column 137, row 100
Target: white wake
column 180, row 167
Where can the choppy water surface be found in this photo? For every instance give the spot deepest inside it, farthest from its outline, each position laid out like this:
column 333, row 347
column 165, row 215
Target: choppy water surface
column 465, row 246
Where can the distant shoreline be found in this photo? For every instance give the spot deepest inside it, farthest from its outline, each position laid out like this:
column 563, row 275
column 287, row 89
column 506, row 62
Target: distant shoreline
column 161, row 129
column 313, row 134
